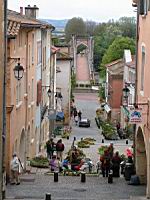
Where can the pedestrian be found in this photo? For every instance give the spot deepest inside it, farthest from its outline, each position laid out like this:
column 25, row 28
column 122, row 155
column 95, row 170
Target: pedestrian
column 14, row 165
column 105, row 163
column 79, row 115
column 54, row 164
column 50, row 147
column 76, row 120
column 65, row 163
column 60, row 148
column 118, row 127
column 75, row 113
column 116, row 160
column 111, row 150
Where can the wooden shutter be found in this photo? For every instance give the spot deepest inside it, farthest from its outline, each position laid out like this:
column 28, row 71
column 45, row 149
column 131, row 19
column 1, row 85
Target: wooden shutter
column 39, row 92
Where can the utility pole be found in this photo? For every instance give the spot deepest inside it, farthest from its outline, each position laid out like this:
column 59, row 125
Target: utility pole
column 2, row 49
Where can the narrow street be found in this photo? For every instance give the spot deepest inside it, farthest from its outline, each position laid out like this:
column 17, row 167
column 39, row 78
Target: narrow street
column 35, row 186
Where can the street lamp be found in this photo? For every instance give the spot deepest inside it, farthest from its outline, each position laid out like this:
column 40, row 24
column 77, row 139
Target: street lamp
column 49, row 92
column 18, row 71
column 126, row 92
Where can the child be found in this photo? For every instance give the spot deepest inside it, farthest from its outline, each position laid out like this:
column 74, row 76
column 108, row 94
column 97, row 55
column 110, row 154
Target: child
column 54, row 164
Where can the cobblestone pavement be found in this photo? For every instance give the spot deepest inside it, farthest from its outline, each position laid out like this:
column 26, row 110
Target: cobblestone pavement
column 95, row 188
column 71, row 188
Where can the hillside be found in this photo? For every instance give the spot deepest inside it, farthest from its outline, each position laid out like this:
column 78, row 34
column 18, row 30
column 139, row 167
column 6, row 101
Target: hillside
column 58, row 24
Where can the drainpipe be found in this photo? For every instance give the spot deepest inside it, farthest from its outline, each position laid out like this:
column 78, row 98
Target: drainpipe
column 1, row 90
column 136, row 79
column 4, row 98
column 26, row 102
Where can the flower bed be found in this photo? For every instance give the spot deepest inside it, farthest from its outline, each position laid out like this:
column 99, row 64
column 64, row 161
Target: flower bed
column 40, row 162
column 86, row 142
column 109, row 131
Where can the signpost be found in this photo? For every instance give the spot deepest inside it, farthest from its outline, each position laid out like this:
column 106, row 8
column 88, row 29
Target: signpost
column 135, row 116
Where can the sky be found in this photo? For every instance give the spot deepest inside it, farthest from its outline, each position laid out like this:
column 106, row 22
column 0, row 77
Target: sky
column 96, row 10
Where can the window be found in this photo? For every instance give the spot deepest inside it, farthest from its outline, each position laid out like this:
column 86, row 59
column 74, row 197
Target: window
column 143, row 7
column 32, row 95
column 18, row 92
column 45, row 58
column 39, row 53
column 32, row 48
column 148, row 5
column 20, row 39
column 29, row 93
column 142, row 68
column 29, row 58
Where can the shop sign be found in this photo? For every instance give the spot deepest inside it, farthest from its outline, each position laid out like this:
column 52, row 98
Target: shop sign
column 135, row 116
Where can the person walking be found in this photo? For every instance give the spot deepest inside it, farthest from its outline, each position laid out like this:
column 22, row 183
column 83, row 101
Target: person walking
column 116, row 160
column 50, row 147
column 60, row 148
column 105, row 163
column 79, row 115
column 75, row 113
column 14, row 166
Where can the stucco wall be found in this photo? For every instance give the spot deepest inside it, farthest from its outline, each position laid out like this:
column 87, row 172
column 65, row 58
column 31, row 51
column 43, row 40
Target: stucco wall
column 63, row 82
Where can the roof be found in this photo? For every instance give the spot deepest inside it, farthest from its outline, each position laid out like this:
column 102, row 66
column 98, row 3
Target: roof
column 131, row 64
column 116, row 67
column 54, row 49
column 63, row 56
column 113, row 63
column 17, row 20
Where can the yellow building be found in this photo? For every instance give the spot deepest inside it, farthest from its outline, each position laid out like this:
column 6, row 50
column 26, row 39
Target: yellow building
column 25, row 38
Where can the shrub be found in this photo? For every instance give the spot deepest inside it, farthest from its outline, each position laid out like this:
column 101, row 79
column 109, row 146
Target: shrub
column 40, row 162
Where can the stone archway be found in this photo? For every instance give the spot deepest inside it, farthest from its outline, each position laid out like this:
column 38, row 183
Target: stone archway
column 83, row 61
column 141, row 157
column 22, row 147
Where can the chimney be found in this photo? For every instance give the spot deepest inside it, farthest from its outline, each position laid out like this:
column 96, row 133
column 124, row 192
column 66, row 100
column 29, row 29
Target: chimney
column 21, row 10
column 31, row 12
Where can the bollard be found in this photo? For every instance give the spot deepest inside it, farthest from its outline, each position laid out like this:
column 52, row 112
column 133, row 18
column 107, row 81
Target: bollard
column 102, row 140
column 126, row 141
column 110, row 177
column 55, row 176
column 48, row 196
column 83, row 177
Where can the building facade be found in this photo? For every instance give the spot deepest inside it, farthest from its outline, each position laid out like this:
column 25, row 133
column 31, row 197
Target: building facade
column 24, row 97
column 114, row 79
column 63, row 80
column 142, row 136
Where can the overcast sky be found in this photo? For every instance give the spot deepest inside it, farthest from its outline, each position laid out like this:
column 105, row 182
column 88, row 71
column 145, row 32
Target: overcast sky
column 97, row 10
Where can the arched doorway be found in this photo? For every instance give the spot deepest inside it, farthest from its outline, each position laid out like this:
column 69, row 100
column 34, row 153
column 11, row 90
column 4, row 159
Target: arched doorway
column 22, row 148
column 141, row 158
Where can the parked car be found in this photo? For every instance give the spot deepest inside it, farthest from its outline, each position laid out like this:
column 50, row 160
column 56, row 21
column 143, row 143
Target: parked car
column 84, row 122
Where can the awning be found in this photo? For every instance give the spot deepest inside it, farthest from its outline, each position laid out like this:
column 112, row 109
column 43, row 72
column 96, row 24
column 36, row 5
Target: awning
column 60, row 116
column 107, row 108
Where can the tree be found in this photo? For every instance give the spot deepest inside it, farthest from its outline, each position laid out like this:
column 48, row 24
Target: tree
column 109, row 32
column 75, row 26
column 90, row 27
column 116, row 51
column 128, row 26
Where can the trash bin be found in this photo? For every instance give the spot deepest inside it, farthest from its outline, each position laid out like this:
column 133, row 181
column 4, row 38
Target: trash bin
column 129, row 170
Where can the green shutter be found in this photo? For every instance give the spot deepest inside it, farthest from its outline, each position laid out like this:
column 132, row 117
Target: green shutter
column 149, row 5
column 142, row 7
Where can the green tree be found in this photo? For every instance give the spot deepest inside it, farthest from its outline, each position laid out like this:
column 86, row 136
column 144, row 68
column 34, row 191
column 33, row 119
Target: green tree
column 90, row 27
column 127, row 26
column 75, row 26
column 116, row 51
